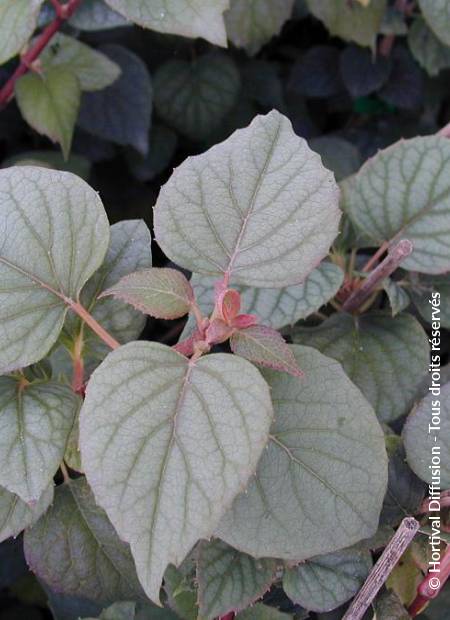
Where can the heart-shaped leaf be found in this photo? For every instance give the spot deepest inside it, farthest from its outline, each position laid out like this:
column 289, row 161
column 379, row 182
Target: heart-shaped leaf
column 386, row 358
column 188, row 18
column 229, row 580
column 259, row 208
column 161, row 435
column 56, row 217
column 35, row 423
column 320, row 484
column 404, row 192
column 16, row 515
column 18, row 19
column 74, row 549
column 437, row 15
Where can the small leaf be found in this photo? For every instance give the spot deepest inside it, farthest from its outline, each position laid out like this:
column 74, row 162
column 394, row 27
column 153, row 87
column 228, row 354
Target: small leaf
column 229, row 304
column 94, row 15
column 252, row 23
column 362, row 74
column 163, row 144
column 51, row 159
column 103, row 571
column 262, row 612
column 229, row 580
column 50, row 103
column 93, row 69
column 118, row 611
column 18, row 19
column 338, row 155
column 55, row 216
column 122, row 112
column 160, row 292
column 437, row 16
column 427, row 49
column 181, row 590
column 327, row 581
column 36, row 420
column 259, row 208
column 188, row 18
column 325, row 445
column 403, row 192
column 426, row 434
column 405, row 86
column 398, row 297
column 194, row 97
column 316, row 74
column 161, row 435
column 388, row 606
column 266, row 347
column 16, row 515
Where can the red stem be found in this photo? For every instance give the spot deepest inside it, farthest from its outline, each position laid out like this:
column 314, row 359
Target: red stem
column 229, row 616
column 425, row 591
column 93, row 324
column 64, row 12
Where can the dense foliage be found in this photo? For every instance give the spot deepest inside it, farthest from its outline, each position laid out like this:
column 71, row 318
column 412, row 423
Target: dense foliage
column 224, row 309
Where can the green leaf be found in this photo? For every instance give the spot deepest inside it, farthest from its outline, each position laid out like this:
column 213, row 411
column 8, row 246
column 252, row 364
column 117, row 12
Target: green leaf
column 193, row 97
column 350, row 21
column 327, row 581
column 74, row 549
column 93, row 15
column 427, row 288
column 229, row 580
column 388, row 606
column 264, row 346
column 387, row 358
column 160, row 292
column 163, row 145
column 56, row 216
column 188, row 18
column 259, row 208
column 16, row 515
column 72, row 456
column 275, row 307
column 181, row 590
column 262, row 612
column 161, row 435
column 398, row 297
column 311, row 494
column 93, row 69
column 18, row 19
column 50, row 103
column 437, row 16
column 51, row 159
column 36, row 420
column 427, row 49
column 118, row 611
column 404, row 192
column 252, row 23
column 337, row 154
column 427, row 433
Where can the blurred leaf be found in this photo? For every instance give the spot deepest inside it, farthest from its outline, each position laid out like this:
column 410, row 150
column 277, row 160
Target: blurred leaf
column 16, row 515
column 437, row 15
column 398, row 297
column 262, row 83
column 18, row 19
column 163, row 144
column 427, row 49
column 337, row 154
column 426, row 288
column 179, row 585
column 388, row 606
column 404, row 88
column 262, row 612
column 75, row 163
column 96, row 15
column 362, row 74
column 316, row 74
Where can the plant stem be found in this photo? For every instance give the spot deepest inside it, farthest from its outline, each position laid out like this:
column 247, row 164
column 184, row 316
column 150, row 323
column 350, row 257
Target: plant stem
column 65, row 473
column 390, row 263
column 96, row 327
column 63, row 13
column 425, row 591
column 78, row 365
column 383, row 568
column 228, row 616
column 373, row 259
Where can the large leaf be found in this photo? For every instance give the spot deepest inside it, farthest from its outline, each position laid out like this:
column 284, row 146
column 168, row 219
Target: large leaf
column 252, row 23
column 93, row 69
column 16, row 515
column 427, row 437
column 427, row 49
column 193, row 97
column 50, row 103
column 387, row 358
column 437, row 15
column 35, row 423
column 404, row 192
column 259, row 208
column 350, row 20
column 122, row 112
column 47, row 218
column 320, row 484
column 74, row 549
column 167, row 443
column 18, row 19
column 229, row 580
column 189, row 18
column 327, row 581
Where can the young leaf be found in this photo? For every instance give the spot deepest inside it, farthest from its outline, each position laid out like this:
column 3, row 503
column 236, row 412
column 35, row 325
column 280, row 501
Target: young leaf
column 93, row 69
column 437, row 16
column 74, row 549
column 398, row 297
column 18, row 19
column 36, row 420
column 427, row 49
column 122, row 112
column 420, row 443
column 188, row 18
column 193, row 97
column 266, row 347
column 181, row 590
column 161, row 435
column 229, row 580
column 94, row 15
column 56, row 216
column 16, row 515
column 252, row 23
column 160, row 292
column 325, row 446
column 259, row 208
column 327, row 581
column 386, row 358
column 50, row 103
column 404, row 192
